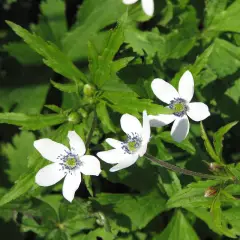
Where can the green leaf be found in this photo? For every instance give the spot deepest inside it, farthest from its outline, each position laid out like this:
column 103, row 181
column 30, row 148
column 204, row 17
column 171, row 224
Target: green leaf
column 101, row 65
column 53, row 57
column 178, row 228
column 225, row 58
column 87, row 28
column 96, row 234
column 32, row 122
column 226, row 20
column 67, row 87
column 27, row 99
column 185, row 145
column 103, row 115
column 217, row 217
column 54, row 12
column 234, row 91
column 125, row 103
column 26, row 182
column 208, row 145
column 219, row 136
column 58, row 234
column 17, row 154
column 192, row 195
column 130, row 212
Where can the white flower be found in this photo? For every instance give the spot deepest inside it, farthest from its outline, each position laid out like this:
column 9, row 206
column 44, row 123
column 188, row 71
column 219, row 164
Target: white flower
column 126, row 153
column 147, row 5
column 180, row 103
column 66, row 163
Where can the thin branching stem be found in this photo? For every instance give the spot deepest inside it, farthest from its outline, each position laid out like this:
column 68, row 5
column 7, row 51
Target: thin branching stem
column 94, row 123
column 182, row 170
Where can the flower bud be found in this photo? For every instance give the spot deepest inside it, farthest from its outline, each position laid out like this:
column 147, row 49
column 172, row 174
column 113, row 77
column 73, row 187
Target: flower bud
column 211, row 191
column 214, row 167
column 74, row 117
column 88, row 90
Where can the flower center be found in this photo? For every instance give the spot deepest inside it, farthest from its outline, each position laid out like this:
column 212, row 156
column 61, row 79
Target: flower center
column 69, row 162
column 180, row 107
column 132, row 144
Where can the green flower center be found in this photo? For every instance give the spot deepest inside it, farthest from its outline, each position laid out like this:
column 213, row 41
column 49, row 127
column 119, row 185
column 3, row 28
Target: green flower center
column 132, row 146
column 178, row 107
column 71, row 162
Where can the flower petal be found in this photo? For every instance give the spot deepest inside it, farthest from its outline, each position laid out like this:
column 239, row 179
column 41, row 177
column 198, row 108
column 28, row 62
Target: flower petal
column 129, row 1
column 146, row 128
column 130, row 124
column 186, row 86
column 71, row 184
column 143, row 149
column 180, row 128
column 114, row 143
column 163, row 90
column 198, row 111
column 49, row 175
column 161, row 119
column 111, row 156
column 76, row 143
column 91, row 165
column 49, row 149
column 129, row 160
column 148, row 7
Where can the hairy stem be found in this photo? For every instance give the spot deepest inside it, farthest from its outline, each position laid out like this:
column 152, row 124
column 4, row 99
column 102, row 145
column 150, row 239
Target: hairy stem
column 181, row 170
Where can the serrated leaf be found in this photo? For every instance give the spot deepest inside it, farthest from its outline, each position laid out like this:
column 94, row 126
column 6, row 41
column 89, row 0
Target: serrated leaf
column 185, row 145
column 53, row 57
column 17, row 154
column 120, row 208
column 178, row 228
column 192, row 195
column 54, row 108
column 208, row 145
column 219, row 136
column 32, row 122
column 103, row 115
column 67, row 87
column 87, row 28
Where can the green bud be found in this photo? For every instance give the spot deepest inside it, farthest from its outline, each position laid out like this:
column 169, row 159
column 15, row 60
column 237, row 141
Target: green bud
column 74, row 117
column 88, row 90
column 82, row 112
column 214, row 167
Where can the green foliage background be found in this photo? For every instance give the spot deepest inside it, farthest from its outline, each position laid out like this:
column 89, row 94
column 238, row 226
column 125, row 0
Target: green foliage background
column 118, row 50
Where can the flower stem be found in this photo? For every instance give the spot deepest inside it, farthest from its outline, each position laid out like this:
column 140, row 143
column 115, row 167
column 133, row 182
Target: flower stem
column 94, row 123
column 181, row 170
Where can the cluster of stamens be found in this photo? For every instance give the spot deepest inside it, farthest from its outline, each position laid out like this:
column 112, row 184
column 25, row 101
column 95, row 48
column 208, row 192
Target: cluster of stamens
column 180, row 107
column 69, row 162
column 132, row 144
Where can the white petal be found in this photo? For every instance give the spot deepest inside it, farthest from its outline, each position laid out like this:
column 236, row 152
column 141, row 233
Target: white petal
column 148, row 7
column 198, row 111
column 129, row 160
column 180, row 128
column 114, row 143
column 130, row 124
column 161, row 119
column 71, row 184
column 186, row 86
column 163, row 90
column 146, row 128
column 111, row 156
column 91, row 165
column 142, row 150
column 49, row 149
column 76, row 143
column 129, row 1
column 49, row 175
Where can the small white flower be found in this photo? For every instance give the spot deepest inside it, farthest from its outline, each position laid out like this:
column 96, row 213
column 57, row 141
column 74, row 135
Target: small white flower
column 66, row 163
column 126, row 153
column 180, row 103
column 147, row 5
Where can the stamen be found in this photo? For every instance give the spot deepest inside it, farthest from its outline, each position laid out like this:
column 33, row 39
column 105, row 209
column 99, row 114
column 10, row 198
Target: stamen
column 179, row 105
column 69, row 162
column 132, row 144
